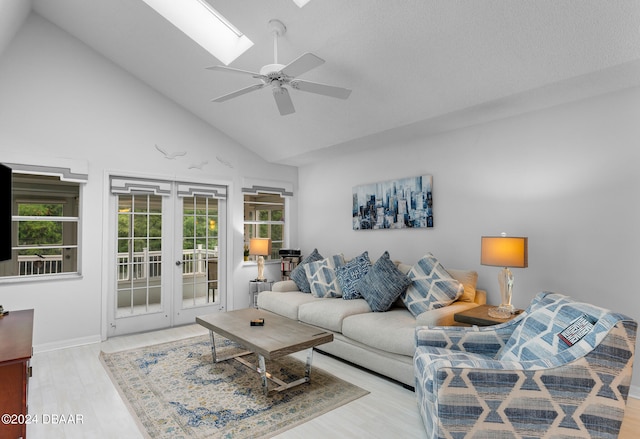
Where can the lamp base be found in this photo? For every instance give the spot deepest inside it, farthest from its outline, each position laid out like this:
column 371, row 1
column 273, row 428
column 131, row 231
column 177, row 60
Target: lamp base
column 260, row 269
column 501, row 312
column 506, row 309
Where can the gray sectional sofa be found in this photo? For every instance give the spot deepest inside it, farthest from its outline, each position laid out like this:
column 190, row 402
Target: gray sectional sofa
column 383, row 342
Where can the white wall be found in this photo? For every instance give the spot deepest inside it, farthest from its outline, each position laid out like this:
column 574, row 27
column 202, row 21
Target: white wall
column 59, row 99
column 568, row 178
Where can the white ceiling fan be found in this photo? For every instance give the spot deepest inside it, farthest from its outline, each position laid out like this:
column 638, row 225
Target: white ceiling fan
column 278, row 75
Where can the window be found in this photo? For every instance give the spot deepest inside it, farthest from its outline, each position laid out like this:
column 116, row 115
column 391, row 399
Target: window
column 264, row 218
column 45, row 226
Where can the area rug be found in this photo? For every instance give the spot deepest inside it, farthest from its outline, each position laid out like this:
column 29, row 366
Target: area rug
column 175, row 391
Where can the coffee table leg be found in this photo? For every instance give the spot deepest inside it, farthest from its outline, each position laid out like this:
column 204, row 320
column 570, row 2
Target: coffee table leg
column 262, row 369
column 307, row 369
column 213, row 347
column 214, row 355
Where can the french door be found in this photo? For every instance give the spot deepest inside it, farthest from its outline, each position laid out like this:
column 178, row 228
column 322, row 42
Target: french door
column 168, row 253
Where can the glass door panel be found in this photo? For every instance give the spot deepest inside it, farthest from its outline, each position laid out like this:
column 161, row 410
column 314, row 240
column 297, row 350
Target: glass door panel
column 200, row 252
column 139, row 255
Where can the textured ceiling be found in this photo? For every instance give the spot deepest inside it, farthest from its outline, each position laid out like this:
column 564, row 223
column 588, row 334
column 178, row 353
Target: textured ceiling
column 413, row 65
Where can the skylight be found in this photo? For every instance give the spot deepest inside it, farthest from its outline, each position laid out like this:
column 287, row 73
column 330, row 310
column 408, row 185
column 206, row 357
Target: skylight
column 301, row 3
column 206, row 26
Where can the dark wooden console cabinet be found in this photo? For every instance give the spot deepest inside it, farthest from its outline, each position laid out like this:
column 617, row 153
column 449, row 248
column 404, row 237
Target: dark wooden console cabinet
column 16, row 337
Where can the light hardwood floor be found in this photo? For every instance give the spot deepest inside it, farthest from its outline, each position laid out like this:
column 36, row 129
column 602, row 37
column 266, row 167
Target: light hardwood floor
column 73, row 382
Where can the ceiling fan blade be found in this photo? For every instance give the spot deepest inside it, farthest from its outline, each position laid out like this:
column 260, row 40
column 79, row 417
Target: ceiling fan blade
column 321, row 89
column 283, row 100
column 238, row 93
column 232, row 70
column 302, row 64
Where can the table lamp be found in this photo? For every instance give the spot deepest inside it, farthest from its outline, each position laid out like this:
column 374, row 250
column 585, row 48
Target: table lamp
column 260, row 247
column 506, row 252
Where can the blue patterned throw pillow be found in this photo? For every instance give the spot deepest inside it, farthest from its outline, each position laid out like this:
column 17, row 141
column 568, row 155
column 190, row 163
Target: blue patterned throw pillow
column 298, row 274
column 431, row 286
column 349, row 275
column 382, row 284
column 322, row 276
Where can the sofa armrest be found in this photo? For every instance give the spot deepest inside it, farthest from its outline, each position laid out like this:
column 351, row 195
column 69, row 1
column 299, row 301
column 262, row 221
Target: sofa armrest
column 481, row 297
column 481, row 340
column 443, row 316
column 284, row 286
column 433, row 359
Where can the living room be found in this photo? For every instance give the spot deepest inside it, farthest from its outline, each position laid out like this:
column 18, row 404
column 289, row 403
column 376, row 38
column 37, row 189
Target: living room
column 562, row 172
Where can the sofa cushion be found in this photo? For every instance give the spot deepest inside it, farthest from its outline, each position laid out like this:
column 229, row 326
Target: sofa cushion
column 432, row 287
column 404, row 268
column 285, row 304
column 322, row 276
column 349, row 275
column 298, row 274
column 284, row 286
column 392, row 331
column 330, row 312
column 382, row 284
column 469, row 280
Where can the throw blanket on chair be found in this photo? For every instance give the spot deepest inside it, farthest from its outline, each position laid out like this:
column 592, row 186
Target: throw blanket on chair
column 562, row 369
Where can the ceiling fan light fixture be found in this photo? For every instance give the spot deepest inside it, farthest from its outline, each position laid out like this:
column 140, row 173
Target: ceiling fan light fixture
column 206, row 26
column 277, row 89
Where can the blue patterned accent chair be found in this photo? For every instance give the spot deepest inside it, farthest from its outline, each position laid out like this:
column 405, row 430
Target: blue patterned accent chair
column 519, row 379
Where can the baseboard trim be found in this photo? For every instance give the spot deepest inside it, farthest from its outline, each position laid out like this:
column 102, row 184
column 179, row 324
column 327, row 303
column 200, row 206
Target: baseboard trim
column 70, row 343
column 634, row 392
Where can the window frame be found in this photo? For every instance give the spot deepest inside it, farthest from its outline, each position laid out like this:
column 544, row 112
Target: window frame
column 255, row 223
column 65, row 176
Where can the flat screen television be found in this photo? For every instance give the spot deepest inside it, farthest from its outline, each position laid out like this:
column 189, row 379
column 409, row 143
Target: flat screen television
column 5, row 212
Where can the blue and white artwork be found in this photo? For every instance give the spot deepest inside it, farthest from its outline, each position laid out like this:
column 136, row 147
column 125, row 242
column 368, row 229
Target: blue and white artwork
column 405, row 203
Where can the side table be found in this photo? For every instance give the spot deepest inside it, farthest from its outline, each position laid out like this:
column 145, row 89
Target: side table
column 257, row 286
column 479, row 316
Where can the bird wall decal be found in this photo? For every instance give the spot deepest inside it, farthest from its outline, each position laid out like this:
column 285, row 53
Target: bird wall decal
column 198, row 165
column 224, row 162
column 172, row 155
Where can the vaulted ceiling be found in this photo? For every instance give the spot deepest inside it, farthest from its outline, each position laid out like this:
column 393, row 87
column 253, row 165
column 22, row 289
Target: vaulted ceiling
column 415, row 66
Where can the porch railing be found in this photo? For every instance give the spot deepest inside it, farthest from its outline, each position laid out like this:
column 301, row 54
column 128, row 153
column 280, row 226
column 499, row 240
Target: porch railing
column 29, row 265
column 144, row 264
column 149, row 263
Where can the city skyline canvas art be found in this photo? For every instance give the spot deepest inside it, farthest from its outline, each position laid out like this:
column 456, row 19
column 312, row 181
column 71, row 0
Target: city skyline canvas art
column 405, row 203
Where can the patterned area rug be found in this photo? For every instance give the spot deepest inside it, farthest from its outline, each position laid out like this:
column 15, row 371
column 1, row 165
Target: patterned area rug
column 175, row 392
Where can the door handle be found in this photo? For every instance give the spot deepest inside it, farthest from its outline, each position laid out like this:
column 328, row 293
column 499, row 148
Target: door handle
column 178, row 263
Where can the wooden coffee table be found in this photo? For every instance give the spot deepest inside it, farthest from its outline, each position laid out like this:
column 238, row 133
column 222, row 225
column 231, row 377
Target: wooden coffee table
column 278, row 337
